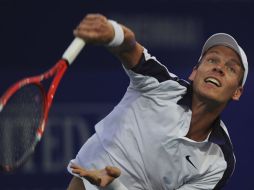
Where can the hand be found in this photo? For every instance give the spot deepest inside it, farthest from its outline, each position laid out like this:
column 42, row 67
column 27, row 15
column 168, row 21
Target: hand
column 95, row 29
column 101, row 178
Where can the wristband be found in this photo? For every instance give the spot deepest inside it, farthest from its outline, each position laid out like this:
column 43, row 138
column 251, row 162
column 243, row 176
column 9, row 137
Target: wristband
column 119, row 34
column 115, row 185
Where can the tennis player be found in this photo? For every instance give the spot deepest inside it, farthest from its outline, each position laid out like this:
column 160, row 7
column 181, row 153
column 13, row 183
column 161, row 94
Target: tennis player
column 166, row 133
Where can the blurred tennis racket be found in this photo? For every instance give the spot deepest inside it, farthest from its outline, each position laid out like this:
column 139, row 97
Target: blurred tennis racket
column 24, row 109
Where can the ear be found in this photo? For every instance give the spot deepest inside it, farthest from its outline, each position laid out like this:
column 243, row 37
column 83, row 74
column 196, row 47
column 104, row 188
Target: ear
column 193, row 74
column 237, row 94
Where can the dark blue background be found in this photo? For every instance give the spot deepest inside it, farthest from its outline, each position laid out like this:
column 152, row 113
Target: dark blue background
column 34, row 34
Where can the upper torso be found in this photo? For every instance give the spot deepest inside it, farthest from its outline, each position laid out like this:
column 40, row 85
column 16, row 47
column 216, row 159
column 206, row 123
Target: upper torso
column 145, row 134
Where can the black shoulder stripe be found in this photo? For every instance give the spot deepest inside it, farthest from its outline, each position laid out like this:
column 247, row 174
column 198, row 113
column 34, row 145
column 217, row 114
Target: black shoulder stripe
column 227, row 150
column 152, row 68
column 230, row 168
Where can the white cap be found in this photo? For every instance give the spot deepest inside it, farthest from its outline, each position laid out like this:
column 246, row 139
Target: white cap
column 227, row 40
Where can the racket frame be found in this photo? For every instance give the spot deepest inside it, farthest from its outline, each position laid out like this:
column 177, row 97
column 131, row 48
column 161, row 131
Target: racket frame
column 57, row 72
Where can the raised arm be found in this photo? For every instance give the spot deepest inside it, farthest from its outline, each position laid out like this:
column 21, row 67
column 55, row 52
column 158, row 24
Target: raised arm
column 96, row 29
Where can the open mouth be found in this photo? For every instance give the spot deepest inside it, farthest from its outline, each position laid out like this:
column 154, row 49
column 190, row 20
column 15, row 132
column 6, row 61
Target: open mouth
column 213, row 81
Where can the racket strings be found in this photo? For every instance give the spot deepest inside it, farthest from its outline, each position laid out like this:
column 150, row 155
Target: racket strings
column 19, row 121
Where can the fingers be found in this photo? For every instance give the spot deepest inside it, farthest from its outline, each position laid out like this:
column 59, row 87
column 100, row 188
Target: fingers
column 95, row 17
column 97, row 177
column 79, row 170
column 91, row 22
column 94, row 28
column 75, row 166
column 113, row 171
column 91, row 176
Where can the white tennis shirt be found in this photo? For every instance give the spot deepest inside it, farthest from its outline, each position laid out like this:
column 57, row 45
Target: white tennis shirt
column 145, row 133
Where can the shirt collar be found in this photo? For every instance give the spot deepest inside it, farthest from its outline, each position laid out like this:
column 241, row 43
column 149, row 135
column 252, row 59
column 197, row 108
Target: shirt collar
column 218, row 135
column 186, row 100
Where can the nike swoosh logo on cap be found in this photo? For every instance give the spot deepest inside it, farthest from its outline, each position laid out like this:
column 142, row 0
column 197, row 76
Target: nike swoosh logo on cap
column 188, row 159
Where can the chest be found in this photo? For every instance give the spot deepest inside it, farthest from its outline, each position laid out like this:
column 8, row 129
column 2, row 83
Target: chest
column 181, row 162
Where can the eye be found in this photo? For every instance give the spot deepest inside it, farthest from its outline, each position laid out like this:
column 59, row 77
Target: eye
column 211, row 60
column 231, row 69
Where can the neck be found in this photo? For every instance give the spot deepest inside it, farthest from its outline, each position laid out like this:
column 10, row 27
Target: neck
column 204, row 113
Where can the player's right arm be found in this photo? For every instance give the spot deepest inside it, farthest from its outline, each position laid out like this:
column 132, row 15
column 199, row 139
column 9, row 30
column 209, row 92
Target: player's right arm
column 144, row 70
column 95, row 29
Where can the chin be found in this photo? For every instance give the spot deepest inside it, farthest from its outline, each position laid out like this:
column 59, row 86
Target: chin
column 211, row 97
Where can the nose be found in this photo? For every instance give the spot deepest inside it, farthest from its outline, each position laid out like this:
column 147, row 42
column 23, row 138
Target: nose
column 219, row 69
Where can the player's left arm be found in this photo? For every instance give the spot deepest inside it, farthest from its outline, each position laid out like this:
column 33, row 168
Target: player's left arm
column 76, row 184
column 106, row 178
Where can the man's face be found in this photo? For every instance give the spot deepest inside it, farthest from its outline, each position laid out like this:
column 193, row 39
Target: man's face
column 218, row 77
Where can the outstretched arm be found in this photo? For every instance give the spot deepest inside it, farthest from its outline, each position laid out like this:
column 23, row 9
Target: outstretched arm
column 96, row 29
column 100, row 178
column 105, row 178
